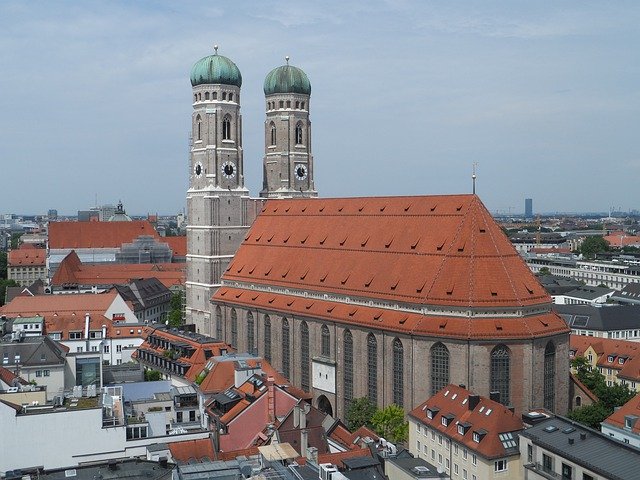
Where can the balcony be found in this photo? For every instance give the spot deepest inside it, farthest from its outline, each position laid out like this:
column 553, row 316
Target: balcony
column 542, row 471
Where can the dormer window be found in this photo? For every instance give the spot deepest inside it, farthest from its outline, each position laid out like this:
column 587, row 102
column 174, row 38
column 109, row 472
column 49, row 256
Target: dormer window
column 621, row 361
column 610, row 358
column 447, row 419
column 476, row 437
column 460, row 429
column 444, row 421
column 429, row 414
column 463, row 427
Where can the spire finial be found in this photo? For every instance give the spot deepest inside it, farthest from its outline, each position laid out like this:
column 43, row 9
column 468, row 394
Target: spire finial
column 287, row 59
column 474, row 176
column 215, row 48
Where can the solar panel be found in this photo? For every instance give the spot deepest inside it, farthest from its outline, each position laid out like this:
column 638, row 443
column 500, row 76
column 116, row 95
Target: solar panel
column 580, row 321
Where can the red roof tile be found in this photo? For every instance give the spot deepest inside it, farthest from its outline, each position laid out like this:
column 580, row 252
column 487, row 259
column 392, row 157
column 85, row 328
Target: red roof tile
column 617, row 418
column 192, row 449
column 488, row 416
column 27, row 257
column 178, row 245
column 44, row 305
column 97, row 234
column 7, row 376
column 437, row 250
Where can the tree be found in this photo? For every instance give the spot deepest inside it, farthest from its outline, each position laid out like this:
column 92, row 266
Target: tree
column 175, row 314
column 544, row 271
column 592, row 245
column 359, row 413
column 3, row 265
column 590, row 415
column 152, row 375
column 390, row 423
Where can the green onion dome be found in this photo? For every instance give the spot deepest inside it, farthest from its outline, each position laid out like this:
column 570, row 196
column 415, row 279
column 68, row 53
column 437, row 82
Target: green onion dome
column 215, row 69
column 287, row 79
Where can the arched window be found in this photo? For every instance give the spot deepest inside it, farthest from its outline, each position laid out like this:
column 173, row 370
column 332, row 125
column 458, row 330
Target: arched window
column 226, row 128
column 234, row 328
column 348, row 369
column 281, row 103
column 288, row 103
column 302, row 105
column 267, row 338
column 206, row 95
column 219, row 323
column 304, row 350
column 325, row 345
column 297, row 104
column 398, row 373
column 273, row 133
column 372, row 368
column 439, row 367
column 231, row 97
column 549, row 376
column 195, row 97
column 251, row 344
column 199, row 96
column 500, row 373
column 215, row 95
column 199, row 127
column 578, row 401
column 299, row 139
column 286, row 349
column 224, row 95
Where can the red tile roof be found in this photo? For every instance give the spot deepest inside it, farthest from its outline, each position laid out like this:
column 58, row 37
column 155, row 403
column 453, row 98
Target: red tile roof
column 44, row 305
column 71, row 271
column 7, row 376
column 487, row 416
column 617, row 418
column 439, row 250
column 178, row 245
column 610, row 353
column 27, row 257
column 582, row 387
column 97, row 234
column 397, row 320
column 192, row 449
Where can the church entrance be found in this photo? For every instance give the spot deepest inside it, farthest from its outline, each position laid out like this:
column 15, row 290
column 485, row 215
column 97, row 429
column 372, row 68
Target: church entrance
column 324, row 405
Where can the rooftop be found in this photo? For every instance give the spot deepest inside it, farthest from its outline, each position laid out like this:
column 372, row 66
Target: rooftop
column 74, row 235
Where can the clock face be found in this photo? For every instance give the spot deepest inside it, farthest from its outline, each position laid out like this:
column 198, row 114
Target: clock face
column 301, row 172
column 198, row 169
column 228, row 169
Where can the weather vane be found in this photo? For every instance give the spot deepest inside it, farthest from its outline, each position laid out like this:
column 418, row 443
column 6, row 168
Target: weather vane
column 287, row 59
column 474, row 176
column 215, row 47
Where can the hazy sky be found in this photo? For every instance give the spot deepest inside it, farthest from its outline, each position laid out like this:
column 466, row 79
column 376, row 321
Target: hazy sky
column 95, row 98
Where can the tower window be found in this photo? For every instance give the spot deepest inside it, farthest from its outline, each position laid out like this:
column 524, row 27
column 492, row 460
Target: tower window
column 326, row 342
column 288, row 103
column 214, row 95
column 231, row 97
column 297, row 104
column 281, row 103
column 199, row 127
column 224, row 95
column 195, row 97
column 199, row 96
column 206, row 95
column 299, row 139
column 273, row 133
column 226, row 128
column 302, row 105
column 304, row 344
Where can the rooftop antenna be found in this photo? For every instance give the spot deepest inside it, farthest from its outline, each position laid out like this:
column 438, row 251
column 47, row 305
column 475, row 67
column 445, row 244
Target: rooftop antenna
column 287, row 59
column 474, row 176
column 215, row 48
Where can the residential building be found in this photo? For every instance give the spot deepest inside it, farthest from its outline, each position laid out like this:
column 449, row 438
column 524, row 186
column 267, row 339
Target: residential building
column 620, row 322
column 629, row 295
column 624, row 423
column 556, row 447
column 149, row 297
column 585, row 296
column 131, row 469
column 26, row 265
column 466, row 435
column 413, row 468
column 28, row 326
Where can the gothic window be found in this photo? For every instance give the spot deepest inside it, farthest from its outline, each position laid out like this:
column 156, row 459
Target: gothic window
column 348, row 369
column 215, row 95
column 267, row 338
column 206, row 95
column 304, row 346
column 439, row 367
column 199, row 127
column 218, row 323
column 286, row 349
column 398, row 373
column 288, row 103
column 297, row 104
column 234, row 328
column 195, row 97
column 500, row 375
column 302, row 105
column 226, row 128
column 281, row 103
column 549, row 376
column 299, row 139
column 250, row 333
column 372, row 368
column 199, row 96
column 231, row 97
column 224, row 95
column 326, row 342
column 273, row 133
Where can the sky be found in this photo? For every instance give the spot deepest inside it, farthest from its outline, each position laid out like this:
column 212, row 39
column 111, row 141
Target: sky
column 95, row 99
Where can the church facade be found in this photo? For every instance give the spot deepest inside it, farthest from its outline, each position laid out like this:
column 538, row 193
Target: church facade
column 386, row 298
column 220, row 209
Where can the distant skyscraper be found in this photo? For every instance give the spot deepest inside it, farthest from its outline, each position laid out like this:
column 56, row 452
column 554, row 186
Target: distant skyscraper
column 53, row 215
column 528, row 207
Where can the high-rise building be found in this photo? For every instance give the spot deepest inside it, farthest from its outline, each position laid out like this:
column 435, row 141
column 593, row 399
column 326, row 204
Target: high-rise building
column 528, row 207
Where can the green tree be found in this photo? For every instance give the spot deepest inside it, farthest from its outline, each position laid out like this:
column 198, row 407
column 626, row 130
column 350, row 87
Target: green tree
column 15, row 240
column 3, row 265
column 359, row 413
column 590, row 415
column 592, row 245
column 3, row 288
column 544, row 271
column 152, row 375
column 390, row 423
column 175, row 312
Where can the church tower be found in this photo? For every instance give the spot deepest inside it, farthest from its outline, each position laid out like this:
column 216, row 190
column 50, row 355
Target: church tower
column 217, row 200
column 288, row 162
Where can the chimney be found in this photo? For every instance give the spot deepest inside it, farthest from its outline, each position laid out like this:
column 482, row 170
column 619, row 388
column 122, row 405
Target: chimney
column 583, row 436
column 304, row 440
column 495, row 396
column 304, row 409
column 271, row 400
column 163, row 461
column 312, row 454
column 296, row 416
column 87, row 319
column 474, row 400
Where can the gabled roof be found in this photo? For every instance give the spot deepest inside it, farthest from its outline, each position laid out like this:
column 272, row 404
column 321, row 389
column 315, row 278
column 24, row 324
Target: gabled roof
column 497, row 425
column 9, row 378
column 583, row 388
column 630, row 409
column 192, row 449
column 27, row 257
column 35, row 351
column 97, row 234
column 442, row 250
column 605, row 318
column 44, row 305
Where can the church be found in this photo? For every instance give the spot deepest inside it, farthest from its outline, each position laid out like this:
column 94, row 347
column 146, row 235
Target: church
column 389, row 298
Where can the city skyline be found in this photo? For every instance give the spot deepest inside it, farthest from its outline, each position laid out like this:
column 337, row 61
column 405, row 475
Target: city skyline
column 405, row 98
